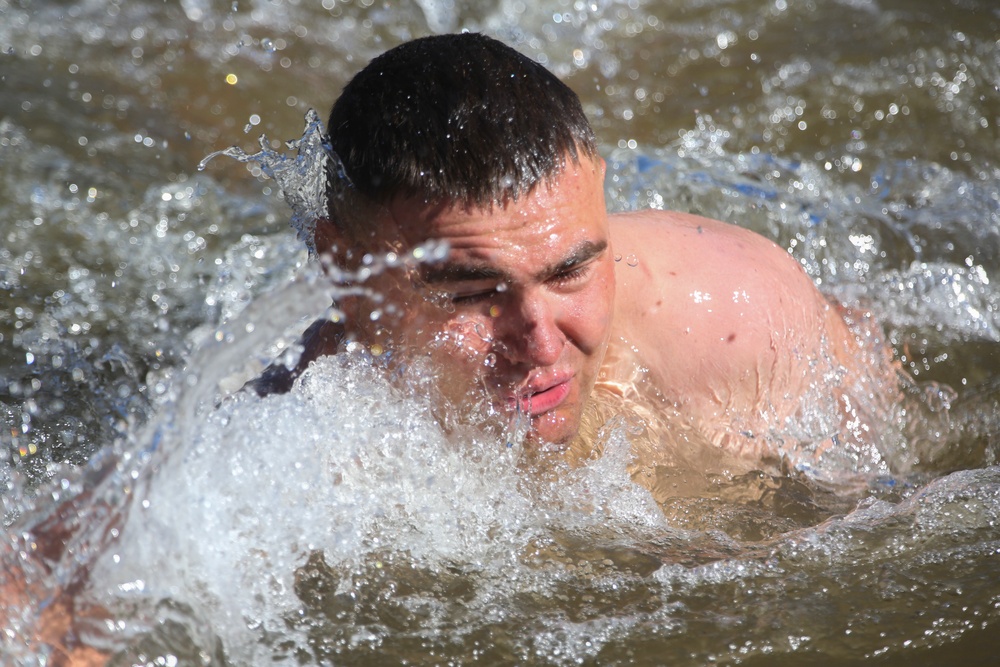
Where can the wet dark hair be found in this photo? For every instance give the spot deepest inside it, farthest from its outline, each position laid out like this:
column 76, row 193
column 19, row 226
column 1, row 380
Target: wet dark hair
column 457, row 118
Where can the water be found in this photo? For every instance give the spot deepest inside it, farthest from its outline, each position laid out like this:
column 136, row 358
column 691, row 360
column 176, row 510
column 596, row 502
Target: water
column 341, row 523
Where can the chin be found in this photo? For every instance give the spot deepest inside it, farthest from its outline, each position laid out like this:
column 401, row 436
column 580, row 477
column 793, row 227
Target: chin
column 553, row 429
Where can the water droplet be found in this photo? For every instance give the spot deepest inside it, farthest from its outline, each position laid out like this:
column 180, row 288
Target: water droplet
column 618, row 257
column 439, row 251
column 490, row 361
column 632, row 260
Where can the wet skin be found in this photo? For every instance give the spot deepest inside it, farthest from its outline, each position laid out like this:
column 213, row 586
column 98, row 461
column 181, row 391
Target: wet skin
column 523, row 303
column 729, row 329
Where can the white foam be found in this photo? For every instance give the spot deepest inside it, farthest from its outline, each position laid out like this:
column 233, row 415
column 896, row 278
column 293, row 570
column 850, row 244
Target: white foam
column 346, row 466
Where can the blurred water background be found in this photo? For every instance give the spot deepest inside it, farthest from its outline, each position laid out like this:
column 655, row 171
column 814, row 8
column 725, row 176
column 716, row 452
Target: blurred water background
column 861, row 135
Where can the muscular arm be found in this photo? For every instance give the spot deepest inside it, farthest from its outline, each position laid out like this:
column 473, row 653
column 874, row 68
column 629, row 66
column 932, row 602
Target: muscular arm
column 45, row 571
column 55, row 625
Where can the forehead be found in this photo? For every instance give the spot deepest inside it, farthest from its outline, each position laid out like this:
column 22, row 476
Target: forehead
column 558, row 215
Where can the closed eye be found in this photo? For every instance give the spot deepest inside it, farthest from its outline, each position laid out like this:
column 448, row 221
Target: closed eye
column 476, row 292
column 571, row 275
column 472, row 297
column 577, row 266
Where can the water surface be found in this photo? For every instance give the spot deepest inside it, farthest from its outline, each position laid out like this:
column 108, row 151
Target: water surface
column 339, row 524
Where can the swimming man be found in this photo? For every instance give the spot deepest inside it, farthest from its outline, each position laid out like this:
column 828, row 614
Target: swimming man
column 463, row 141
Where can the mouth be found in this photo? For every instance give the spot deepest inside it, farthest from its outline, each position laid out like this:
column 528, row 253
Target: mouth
column 539, row 398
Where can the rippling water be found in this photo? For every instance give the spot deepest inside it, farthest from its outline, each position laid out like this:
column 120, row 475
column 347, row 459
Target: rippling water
column 339, row 523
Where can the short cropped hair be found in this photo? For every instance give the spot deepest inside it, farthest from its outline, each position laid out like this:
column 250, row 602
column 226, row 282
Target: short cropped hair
column 452, row 118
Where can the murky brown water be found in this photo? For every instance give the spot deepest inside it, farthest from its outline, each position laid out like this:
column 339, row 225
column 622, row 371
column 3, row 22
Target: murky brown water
column 861, row 135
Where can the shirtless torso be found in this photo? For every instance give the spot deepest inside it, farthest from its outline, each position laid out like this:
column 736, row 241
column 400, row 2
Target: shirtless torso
column 729, row 331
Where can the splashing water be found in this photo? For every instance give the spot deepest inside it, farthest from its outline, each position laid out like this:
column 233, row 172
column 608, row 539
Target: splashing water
column 346, row 520
column 341, row 523
column 302, row 179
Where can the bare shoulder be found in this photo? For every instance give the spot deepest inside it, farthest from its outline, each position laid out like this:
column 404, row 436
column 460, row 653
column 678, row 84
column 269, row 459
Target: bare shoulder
column 662, row 234
column 712, row 307
column 679, row 256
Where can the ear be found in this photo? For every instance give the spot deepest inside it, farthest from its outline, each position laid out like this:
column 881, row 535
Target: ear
column 329, row 241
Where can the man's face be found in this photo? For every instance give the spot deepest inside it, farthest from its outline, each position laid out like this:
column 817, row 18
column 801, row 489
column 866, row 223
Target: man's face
column 523, row 303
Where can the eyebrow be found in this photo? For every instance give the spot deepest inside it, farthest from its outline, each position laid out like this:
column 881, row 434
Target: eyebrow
column 456, row 273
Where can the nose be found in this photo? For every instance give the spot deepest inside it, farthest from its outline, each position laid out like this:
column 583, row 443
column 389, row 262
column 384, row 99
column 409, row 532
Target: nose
column 527, row 328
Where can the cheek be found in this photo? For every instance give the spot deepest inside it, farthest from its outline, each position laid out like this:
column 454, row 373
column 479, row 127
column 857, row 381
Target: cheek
column 451, row 339
column 471, row 335
column 591, row 313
